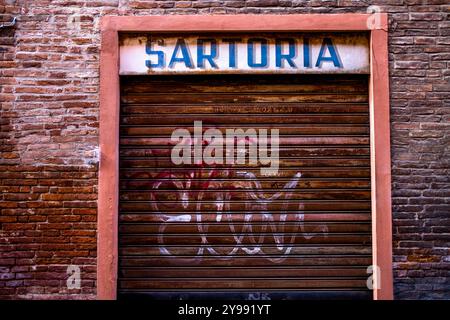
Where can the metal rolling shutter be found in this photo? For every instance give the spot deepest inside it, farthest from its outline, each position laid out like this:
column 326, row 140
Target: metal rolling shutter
column 194, row 231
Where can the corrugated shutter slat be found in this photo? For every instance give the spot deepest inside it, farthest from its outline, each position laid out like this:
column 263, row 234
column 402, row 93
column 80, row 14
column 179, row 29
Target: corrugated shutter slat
column 193, row 230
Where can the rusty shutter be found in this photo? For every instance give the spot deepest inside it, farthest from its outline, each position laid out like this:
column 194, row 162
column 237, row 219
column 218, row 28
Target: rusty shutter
column 190, row 231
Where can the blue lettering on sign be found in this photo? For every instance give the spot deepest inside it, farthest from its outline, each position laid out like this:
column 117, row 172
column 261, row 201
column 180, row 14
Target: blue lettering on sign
column 306, row 53
column 160, row 55
column 251, row 53
column 231, row 52
column 185, row 56
column 279, row 56
column 327, row 43
column 255, row 58
column 201, row 56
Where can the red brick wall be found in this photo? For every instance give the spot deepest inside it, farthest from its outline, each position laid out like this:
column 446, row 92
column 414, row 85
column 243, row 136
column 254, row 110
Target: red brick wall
column 49, row 136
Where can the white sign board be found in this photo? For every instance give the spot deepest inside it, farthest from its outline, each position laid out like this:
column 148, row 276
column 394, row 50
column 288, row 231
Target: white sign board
column 280, row 53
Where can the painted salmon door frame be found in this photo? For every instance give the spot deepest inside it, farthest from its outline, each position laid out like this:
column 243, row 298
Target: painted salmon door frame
column 108, row 190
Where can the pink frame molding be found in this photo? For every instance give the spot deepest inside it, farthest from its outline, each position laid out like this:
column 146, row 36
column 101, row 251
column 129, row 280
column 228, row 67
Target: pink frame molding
column 108, row 191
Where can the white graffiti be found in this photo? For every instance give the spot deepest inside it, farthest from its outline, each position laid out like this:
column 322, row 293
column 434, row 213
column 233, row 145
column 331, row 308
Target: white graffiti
column 245, row 239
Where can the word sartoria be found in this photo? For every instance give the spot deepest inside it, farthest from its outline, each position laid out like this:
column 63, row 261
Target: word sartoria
column 233, row 53
column 208, row 147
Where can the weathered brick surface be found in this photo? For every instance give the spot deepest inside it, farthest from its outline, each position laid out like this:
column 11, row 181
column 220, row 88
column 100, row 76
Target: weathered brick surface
column 49, row 136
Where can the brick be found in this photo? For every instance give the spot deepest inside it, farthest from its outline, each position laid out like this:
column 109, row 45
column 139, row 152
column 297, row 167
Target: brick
column 426, row 16
column 143, row 4
column 262, row 3
column 234, row 4
column 183, row 4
